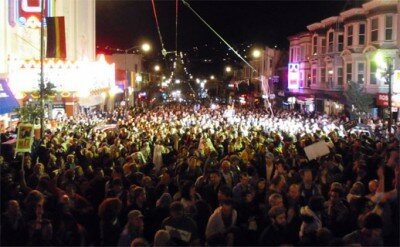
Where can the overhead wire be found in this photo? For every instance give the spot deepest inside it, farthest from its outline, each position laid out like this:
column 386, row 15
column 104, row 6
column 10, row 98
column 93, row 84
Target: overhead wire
column 218, row 35
column 176, row 26
column 158, row 26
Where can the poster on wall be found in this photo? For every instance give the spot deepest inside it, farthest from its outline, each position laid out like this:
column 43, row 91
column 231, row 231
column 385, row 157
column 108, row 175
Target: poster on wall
column 293, row 75
column 24, row 138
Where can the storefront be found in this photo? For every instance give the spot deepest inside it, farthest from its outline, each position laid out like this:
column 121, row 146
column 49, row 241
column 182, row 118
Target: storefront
column 382, row 101
column 331, row 103
column 306, row 103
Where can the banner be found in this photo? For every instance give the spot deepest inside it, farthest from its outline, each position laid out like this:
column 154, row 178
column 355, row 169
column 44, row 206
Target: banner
column 24, row 138
column 316, row 150
column 264, row 85
column 56, row 47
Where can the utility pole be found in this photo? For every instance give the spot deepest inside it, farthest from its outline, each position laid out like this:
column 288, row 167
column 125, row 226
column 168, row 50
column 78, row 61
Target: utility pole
column 388, row 78
column 41, row 86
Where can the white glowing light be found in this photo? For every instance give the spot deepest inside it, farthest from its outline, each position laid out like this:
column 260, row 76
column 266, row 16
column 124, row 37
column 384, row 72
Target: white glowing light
column 139, row 78
column 146, row 47
column 256, row 53
column 68, row 76
column 115, row 90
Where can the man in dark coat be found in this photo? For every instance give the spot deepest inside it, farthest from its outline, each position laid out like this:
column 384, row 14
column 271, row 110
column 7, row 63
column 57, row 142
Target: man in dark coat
column 276, row 234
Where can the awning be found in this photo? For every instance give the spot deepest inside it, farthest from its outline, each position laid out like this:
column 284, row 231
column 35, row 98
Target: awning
column 8, row 103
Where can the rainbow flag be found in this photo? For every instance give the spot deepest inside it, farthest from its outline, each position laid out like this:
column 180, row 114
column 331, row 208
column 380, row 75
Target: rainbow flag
column 56, row 37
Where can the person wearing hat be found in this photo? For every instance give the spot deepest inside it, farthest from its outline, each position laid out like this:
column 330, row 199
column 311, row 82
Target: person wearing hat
column 182, row 228
column 369, row 235
column 133, row 229
column 276, row 234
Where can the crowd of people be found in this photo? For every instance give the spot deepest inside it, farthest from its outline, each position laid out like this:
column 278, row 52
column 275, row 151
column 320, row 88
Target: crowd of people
column 192, row 175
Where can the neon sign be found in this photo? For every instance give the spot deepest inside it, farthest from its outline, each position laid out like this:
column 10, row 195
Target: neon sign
column 27, row 13
column 293, row 76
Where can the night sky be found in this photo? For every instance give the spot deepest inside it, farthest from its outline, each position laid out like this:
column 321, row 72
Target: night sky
column 124, row 23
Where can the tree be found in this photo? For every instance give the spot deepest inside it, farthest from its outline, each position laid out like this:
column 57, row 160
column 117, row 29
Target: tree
column 32, row 112
column 358, row 100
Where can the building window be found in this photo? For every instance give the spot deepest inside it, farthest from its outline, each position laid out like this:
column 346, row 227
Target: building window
column 372, row 75
column 315, row 45
column 291, row 54
column 298, row 54
column 270, row 63
column 340, row 76
column 348, row 72
column 323, row 75
column 302, row 53
column 136, row 68
column 374, row 29
column 314, row 76
column 360, row 73
column 323, row 45
column 340, row 42
column 389, row 27
column 361, row 34
column 330, row 42
column 349, row 35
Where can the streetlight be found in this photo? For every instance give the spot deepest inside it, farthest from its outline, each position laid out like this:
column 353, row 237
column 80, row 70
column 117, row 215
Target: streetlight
column 384, row 71
column 256, row 53
column 228, row 69
column 212, row 77
column 157, row 68
column 145, row 47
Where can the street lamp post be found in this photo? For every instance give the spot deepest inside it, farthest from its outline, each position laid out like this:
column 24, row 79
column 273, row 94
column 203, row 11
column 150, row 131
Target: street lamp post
column 385, row 65
column 41, row 86
column 145, row 47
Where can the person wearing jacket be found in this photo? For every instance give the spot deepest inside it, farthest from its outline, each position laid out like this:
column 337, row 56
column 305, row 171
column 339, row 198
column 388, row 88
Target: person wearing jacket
column 221, row 222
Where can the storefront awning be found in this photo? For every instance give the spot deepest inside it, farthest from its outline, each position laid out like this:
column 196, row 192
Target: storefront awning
column 8, row 103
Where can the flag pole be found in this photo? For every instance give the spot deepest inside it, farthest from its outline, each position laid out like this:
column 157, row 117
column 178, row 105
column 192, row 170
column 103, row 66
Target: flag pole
column 41, row 69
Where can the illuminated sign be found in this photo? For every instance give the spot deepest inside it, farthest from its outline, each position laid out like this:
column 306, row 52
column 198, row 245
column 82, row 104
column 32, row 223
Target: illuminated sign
column 382, row 99
column 396, row 82
column 27, row 13
column 293, row 76
column 80, row 76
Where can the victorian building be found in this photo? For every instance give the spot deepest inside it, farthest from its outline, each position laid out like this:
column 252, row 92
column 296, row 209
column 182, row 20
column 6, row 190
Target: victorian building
column 343, row 48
